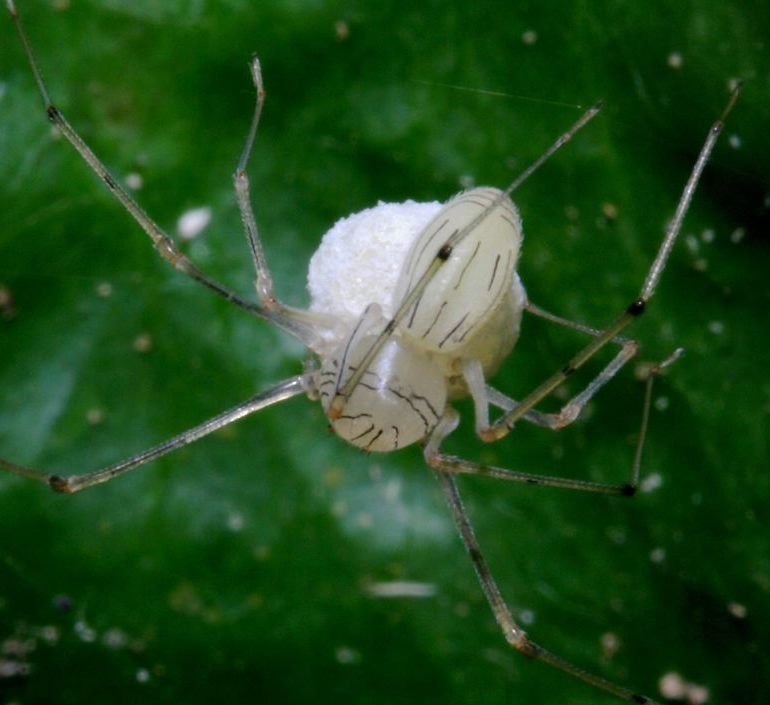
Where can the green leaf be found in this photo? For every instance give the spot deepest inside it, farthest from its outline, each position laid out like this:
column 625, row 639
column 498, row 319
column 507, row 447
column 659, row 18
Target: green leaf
column 240, row 568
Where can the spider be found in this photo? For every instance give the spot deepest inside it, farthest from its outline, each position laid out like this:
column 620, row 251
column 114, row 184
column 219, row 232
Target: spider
column 413, row 306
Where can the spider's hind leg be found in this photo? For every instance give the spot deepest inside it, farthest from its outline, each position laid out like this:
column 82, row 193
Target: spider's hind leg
column 483, row 395
column 303, row 324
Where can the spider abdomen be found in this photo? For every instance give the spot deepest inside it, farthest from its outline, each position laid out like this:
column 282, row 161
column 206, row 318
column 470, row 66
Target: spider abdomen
column 472, row 307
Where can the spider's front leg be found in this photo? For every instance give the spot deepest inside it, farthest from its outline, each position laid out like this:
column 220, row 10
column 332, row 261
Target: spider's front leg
column 446, row 466
column 513, row 633
column 75, row 483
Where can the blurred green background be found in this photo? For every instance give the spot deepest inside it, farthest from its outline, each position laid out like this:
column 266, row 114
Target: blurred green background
column 240, row 568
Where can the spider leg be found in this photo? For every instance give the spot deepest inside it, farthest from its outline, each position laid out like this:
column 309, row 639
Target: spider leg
column 484, row 395
column 163, row 243
column 304, row 323
column 452, row 464
column 572, row 409
column 74, row 483
column 513, row 633
column 503, row 426
column 443, row 255
column 540, row 312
